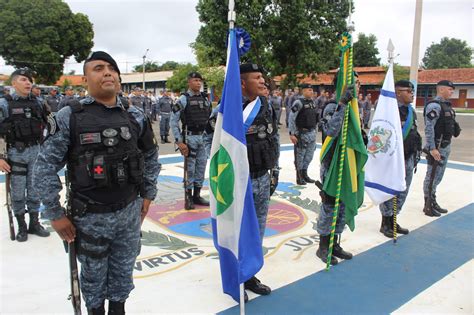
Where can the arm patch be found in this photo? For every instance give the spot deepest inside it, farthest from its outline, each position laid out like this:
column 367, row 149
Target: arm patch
column 177, row 107
column 432, row 115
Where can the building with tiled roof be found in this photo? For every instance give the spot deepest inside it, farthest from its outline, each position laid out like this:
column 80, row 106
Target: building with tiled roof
column 72, row 80
column 463, row 79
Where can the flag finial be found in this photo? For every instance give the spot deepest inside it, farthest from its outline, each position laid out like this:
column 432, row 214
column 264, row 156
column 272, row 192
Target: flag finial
column 391, row 51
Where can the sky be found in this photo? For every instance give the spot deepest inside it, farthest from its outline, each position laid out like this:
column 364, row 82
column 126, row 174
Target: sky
column 126, row 29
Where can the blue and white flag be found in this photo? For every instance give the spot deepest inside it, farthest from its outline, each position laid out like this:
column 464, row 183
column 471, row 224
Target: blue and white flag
column 234, row 221
column 385, row 168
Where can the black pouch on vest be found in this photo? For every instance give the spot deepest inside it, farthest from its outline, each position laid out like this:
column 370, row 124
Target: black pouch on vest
column 457, row 129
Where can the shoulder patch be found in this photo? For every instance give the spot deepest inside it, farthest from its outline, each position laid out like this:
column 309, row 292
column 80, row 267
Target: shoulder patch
column 52, row 124
column 176, row 107
column 432, row 115
column 294, row 109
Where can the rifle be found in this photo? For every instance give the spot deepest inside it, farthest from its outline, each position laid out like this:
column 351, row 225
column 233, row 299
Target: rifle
column 70, row 248
column 9, row 206
column 428, row 209
column 187, row 198
column 3, row 148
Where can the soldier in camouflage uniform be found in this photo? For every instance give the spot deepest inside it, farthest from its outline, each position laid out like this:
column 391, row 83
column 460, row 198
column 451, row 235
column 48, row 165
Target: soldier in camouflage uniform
column 164, row 107
column 302, row 127
column 440, row 127
column 68, row 95
column 412, row 150
column 112, row 167
column 333, row 117
column 53, row 100
column 261, row 151
column 136, row 99
column 22, row 121
column 193, row 110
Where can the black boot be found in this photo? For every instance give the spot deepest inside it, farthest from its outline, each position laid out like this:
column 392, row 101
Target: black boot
column 387, row 226
column 116, row 308
column 337, row 250
column 306, row 178
column 437, row 207
column 254, row 285
column 166, row 139
column 323, row 250
column 429, row 210
column 35, row 227
column 197, row 199
column 22, row 234
column 299, row 178
column 162, row 139
column 188, row 200
column 400, row 230
column 97, row 311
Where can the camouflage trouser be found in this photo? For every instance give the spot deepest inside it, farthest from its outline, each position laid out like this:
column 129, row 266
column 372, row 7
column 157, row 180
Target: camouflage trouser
column 305, row 149
column 325, row 219
column 23, row 193
column 165, row 124
column 197, row 160
column 108, row 245
column 208, row 142
column 327, row 210
column 386, row 208
column 261, row 199
column 444, row 152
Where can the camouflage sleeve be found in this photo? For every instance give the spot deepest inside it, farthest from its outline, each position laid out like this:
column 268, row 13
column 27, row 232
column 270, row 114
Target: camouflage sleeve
column 152, row 167
column 431, row 117
column 334, row 116
column 51, row 159
column 175, row 117
column 295, row 109
column 3, row 109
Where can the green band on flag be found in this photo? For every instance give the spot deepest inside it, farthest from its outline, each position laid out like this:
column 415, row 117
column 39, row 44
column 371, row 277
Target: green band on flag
column 222, row 179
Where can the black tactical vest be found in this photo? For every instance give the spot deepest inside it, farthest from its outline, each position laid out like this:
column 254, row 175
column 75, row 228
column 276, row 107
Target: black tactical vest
column 308, row 115
column 53, row 103
column 105, row 164
column 165, row 104
column 197, row 112
column 444, row 128
column 25, row 123
column 137, row 101
column 261, row 140
column 412, row 143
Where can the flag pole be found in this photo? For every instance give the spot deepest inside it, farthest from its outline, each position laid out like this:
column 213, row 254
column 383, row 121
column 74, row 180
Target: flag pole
column 348, row 74
column 231, row 18
column 391, row 57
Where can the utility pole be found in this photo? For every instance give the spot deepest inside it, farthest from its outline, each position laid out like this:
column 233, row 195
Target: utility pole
column 144, row 57
column 415, row 49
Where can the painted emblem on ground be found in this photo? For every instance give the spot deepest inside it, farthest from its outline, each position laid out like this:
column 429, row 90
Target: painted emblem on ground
column 184, row 236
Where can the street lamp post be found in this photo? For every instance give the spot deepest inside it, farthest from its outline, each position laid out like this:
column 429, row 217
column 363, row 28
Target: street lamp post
column 144, row 57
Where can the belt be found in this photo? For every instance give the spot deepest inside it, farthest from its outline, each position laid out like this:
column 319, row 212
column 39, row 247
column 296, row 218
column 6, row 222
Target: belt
column 194, row 133
column 257, row 174
column 305, row 129
column 81, row 204
column 23, row 144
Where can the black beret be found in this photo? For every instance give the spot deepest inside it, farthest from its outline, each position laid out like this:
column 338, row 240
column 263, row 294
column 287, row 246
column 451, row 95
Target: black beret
column 68, row 88
column 306, row 86
column 404, row 83
column 101, row 55
column 445, row 83
column 194, row 75
column 250, row 67
column 26, row 72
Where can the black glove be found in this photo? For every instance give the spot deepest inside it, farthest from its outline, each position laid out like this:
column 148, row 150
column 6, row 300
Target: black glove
column 347, row 95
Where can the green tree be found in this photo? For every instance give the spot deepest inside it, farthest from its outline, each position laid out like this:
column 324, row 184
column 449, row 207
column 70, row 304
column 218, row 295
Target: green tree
column 449, row 53
column 169, row 65
column 214, row 77
column 179, row 81
column 288, row 37
column 366, row 51
column 41, row 35
column 150, row 66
